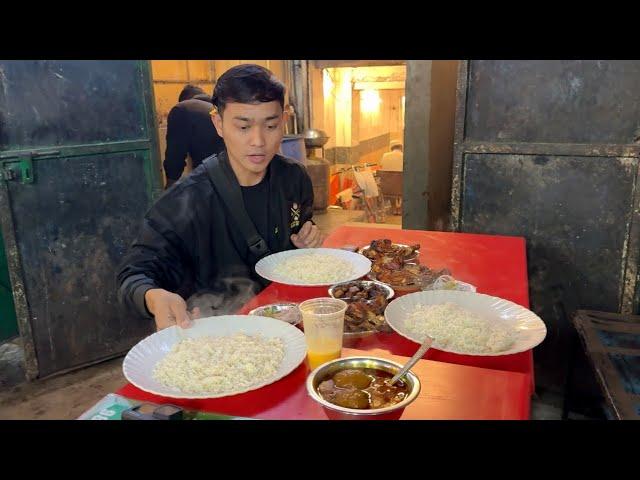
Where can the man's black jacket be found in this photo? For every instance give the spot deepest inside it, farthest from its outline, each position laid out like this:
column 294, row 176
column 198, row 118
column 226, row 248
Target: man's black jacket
column 189, row 242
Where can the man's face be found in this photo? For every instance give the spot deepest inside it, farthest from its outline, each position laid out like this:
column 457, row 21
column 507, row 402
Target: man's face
column 252, row 133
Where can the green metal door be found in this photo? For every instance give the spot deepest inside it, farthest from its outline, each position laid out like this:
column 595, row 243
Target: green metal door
column 79, row 164
column 8, row 322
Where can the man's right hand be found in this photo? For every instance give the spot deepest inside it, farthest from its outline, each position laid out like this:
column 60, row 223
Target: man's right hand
column 168, row 308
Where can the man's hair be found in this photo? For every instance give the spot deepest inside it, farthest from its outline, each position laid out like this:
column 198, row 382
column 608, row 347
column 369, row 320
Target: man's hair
column 247, row 83
column 190, row 91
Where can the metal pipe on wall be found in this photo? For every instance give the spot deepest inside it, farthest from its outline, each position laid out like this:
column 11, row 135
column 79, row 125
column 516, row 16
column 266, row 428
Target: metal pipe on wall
column 300, row 92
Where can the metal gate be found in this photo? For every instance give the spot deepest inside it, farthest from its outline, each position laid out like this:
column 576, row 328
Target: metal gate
column 79, row 165
column 548, row 150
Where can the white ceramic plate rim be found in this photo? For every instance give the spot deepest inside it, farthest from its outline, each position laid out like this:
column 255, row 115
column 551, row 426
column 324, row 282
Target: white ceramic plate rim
column 530, row 329
column 361, row 265
column 295, row 352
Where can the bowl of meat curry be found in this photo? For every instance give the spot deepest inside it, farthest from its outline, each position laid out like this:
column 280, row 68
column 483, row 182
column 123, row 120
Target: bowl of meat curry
column 356, row 388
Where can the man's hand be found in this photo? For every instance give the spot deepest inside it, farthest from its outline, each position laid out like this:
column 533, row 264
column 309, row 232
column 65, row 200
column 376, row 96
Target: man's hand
column 169, row 309
column 309, row 236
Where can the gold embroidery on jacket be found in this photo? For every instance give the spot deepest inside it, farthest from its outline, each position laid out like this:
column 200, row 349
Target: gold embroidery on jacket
column 295, row 216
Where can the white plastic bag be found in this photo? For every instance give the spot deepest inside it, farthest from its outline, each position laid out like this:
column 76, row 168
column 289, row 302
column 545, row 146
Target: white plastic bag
column 447, row 282
column 367, row 183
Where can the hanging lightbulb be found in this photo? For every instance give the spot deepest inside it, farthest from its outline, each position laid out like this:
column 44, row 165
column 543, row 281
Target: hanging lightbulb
column 370, row 101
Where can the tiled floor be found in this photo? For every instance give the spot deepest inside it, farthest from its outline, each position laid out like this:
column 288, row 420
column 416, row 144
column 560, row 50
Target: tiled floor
column 333, row 218
column 68, row 396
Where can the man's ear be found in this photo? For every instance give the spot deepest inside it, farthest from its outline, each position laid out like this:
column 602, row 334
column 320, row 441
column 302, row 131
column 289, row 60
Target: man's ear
column 216, row 118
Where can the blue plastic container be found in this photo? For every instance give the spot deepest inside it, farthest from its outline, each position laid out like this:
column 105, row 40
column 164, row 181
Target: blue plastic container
column 293, row 147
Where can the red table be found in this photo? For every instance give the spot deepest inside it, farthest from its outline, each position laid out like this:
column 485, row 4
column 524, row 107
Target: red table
column 449, row 392
column 469, row 386
column 496, row 265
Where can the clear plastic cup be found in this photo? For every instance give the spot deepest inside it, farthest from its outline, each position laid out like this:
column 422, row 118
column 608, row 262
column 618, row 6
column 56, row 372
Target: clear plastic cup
column 323, row 321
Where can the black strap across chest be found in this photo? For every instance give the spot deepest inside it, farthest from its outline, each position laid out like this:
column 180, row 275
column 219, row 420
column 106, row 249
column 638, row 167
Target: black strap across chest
column 229, row 190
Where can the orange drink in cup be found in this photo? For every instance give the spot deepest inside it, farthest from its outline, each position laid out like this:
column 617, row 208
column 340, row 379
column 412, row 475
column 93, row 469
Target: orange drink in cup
column 323, row 320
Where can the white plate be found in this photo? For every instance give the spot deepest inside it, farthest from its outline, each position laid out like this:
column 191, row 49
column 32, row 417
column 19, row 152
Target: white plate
column 529, row 328
column 139, row 363
column 360, row 264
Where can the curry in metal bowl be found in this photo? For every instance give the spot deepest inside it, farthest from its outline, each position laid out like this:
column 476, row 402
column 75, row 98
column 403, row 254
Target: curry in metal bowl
column 362, row 388
column 354, row 388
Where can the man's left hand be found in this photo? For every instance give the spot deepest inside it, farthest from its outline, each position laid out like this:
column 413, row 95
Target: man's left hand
column 309, row 236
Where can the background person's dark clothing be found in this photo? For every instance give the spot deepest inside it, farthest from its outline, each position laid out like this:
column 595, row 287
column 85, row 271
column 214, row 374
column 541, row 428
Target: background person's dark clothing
column 190, row 131
column 189, row 242
column 203, row 96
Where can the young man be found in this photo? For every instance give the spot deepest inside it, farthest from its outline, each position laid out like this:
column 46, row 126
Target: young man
column 190, row 132
column 193, row 239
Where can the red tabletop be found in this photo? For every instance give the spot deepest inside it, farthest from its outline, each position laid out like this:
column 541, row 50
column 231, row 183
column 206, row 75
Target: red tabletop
column 454, row 386
column 452, row 392
column 496, row 265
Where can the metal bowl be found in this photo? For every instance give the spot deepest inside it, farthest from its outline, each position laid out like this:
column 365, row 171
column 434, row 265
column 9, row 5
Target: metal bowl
column 336, row 412
column 363, row 333
column 287, row 312
column 314, row 138
column 389, row 291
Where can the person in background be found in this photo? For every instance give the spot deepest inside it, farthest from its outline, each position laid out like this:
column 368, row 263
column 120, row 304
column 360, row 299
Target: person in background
column 392, row 182
column 192, row 238
column 392, row 161
column 190, row 132
column 193, row 91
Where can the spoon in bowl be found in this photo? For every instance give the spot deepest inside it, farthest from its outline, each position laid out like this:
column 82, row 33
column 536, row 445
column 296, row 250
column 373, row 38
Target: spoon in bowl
column 413, row 360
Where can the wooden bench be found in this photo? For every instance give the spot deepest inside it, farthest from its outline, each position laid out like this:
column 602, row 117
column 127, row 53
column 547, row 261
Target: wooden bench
column 611, row 341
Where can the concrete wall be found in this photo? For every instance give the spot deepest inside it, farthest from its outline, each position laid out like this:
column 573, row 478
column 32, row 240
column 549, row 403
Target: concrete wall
column 428, row 141
column 444, row 75
column 416, row 145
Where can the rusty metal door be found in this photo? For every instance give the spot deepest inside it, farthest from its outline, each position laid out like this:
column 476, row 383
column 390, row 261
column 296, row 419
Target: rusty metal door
column 548, row 150
column 79, row 165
